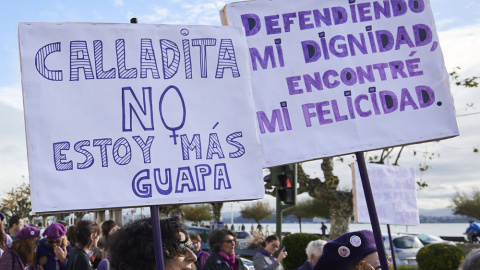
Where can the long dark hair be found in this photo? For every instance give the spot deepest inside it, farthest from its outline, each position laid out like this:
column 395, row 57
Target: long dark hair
column 269, row 239
column 215, row 238
column 82, row 232
column 107, row 226
column 132, row 247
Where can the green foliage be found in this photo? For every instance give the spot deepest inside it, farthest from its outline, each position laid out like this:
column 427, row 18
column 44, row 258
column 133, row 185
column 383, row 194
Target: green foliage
column 257, row 211
column 308, row 209
column 295, row 244
column 467, row 204
column 407, row 267
column 440, row 257
column 465, row 82
column 17, row 202
column 197, row 213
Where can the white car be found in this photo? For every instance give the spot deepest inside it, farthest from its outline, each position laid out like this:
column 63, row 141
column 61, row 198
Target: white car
column 248, row 264
column 406, row 248
column 244, row 239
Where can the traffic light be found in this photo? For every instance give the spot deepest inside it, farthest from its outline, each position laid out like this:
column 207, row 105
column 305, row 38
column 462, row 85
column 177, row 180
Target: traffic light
column 287, row 185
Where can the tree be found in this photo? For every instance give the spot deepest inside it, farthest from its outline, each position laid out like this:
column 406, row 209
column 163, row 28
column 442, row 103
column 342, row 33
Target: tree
column 257, row 211
column 197, row 213
column 217, row 211
column 467, row 204
column 17, row 202
column 308, row 209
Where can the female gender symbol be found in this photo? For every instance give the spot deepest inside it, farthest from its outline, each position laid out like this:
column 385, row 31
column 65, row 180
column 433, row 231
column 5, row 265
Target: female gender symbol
column 173, row 129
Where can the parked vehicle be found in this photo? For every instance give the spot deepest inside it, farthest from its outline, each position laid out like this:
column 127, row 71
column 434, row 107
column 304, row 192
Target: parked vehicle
column 430, row 239
column 406, row 248
column 203, row 232
column 248, row 263
column 244, row 239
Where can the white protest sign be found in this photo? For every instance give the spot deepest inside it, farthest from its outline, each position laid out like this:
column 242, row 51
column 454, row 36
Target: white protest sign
column 335, row 77
column 394, row 192
column 121, row 115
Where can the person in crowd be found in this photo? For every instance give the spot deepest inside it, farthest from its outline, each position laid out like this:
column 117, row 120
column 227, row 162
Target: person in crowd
column 264, row 260
column 324, row 228
column 21, row 255
column 473, row 231
column 314, row 251
column 260, row 228
column 222, row 244
column 5, row 239
column 243, row 227
column 70, row 237
column 53, row 250
column 132, row 246
column 85, row 235
column 472, row 261
column 108, row 227
column 15, row 224
column 202, row 256
column 350, row 251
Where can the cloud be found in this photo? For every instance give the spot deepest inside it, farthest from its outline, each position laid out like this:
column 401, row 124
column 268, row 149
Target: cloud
column 12, row 96
column 13, row 155
column 159, row 15
column 118, row 3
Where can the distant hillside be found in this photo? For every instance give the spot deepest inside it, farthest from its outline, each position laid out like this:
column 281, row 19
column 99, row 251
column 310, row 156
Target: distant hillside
column 436, row 212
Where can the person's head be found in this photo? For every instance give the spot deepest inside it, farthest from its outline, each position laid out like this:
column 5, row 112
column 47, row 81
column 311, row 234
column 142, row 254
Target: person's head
column 86, row 234
column 3, row 236
column 222, row 240
column 107, row 227
column 471, row 221
column 55, row 235
column 271, row 244
column 352, row 251
column 314, row 250
column 70, row 236
column 132, row 247
column 15, row 224
column 197, row 242
column 472, row 261
column 27, row 240
column 40, row 224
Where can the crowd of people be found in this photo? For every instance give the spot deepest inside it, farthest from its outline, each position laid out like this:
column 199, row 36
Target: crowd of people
column 132, row 247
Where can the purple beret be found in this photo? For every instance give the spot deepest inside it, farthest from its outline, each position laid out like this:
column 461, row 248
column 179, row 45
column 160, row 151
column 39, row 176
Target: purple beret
column 28, row 232
column 346, row 251
column 54, row 231
column 2, row 217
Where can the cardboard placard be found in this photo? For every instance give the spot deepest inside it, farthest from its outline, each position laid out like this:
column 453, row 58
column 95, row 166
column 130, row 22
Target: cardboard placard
column 394, row 191
column 336, row 77
column 124, row 115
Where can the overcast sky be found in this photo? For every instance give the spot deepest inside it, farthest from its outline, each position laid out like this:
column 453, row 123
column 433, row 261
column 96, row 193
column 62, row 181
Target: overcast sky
column 455, row 167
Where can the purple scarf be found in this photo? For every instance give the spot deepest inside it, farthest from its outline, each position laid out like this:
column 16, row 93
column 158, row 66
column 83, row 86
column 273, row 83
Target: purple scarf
column 264, row 252
column 229, row 259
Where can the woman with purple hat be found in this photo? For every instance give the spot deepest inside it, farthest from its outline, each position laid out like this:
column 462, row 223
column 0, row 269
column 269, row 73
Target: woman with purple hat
column 21, row 255
column 350, row 251
column 53, row 250
column 5, row 239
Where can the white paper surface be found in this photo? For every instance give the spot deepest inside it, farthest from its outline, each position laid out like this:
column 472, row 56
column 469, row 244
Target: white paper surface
column 336, row 77
column 394, row 192
column 122, row 115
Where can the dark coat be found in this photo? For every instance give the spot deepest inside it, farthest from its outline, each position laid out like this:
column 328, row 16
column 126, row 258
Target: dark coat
column 215, row 262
